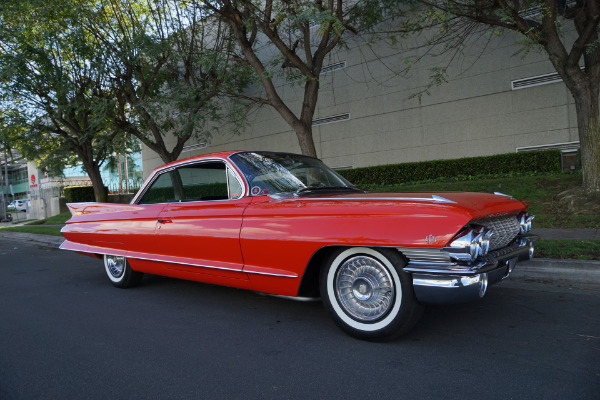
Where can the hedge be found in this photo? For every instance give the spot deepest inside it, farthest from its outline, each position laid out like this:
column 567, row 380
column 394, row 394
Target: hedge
column 393, row 174
column 210, row 191
column 79, row 194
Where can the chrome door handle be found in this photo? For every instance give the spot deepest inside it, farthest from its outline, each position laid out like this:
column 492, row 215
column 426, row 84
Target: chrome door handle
column 164, row 221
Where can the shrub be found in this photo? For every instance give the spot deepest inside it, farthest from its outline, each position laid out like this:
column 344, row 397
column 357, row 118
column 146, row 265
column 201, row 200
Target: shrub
column 392, row 174
column 207, row 191
column 79, row 194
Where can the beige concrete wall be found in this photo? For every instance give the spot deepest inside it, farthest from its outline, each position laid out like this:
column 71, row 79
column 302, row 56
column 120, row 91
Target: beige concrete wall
column 474, row 113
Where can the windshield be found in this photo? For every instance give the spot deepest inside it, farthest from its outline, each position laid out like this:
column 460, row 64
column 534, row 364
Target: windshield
column 272, row 173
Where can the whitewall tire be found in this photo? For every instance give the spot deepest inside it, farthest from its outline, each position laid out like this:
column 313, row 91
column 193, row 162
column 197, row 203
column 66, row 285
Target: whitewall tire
column 368, row 294
column 120, row 273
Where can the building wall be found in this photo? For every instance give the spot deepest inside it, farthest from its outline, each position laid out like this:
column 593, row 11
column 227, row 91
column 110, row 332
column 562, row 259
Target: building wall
column 475, row 113
column 17, row 178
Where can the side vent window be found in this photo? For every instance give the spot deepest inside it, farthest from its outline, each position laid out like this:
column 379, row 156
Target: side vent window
column 235, row 189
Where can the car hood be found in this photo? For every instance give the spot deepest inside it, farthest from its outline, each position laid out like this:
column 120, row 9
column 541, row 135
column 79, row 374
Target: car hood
column 477, row 205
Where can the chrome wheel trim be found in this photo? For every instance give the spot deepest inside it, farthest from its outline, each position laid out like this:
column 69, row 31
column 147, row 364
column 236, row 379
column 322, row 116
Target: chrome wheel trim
column 394, row 308
column 364, row 288
column 115, row 267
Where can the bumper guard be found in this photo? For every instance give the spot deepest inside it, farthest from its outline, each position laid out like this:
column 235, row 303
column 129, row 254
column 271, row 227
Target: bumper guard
column 440, row 281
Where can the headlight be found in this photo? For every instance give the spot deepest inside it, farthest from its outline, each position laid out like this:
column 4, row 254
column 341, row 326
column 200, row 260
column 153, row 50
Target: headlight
column 525, row 222
column 474, row 241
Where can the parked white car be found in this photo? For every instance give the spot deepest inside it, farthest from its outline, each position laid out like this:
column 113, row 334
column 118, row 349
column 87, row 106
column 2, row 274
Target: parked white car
column 19, row 205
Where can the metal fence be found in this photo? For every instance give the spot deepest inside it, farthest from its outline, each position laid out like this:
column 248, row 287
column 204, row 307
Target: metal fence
column 114, row 186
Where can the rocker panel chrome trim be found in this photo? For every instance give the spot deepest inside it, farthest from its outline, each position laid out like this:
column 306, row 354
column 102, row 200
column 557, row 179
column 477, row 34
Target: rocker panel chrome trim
column 103, row 251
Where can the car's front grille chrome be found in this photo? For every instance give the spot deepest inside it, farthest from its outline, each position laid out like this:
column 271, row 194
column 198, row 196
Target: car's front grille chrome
column 504, row 230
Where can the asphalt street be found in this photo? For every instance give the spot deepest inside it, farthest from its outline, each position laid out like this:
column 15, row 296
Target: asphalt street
column 67, row 333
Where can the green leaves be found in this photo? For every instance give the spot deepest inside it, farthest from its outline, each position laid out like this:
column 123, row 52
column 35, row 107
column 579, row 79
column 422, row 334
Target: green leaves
column 536, row 161
column 171, row 70
column 55, row 85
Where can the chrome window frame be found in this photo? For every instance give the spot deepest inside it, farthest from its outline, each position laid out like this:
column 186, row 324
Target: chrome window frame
column 229, row 166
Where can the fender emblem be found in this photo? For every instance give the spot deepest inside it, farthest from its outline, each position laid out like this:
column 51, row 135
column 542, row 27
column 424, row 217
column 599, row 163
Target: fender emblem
column 430, row 239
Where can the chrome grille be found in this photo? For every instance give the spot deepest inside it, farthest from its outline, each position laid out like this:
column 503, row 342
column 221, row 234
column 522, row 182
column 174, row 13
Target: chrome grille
column 504, row 230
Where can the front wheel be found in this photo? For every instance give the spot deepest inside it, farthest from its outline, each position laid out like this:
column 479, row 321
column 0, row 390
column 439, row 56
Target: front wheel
column 368, row 294
column 120, row 273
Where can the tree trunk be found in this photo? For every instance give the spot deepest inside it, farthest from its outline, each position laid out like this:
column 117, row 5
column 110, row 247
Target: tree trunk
column 586, row 105
column 93, row 171
column 304, row 126
column 305, row 138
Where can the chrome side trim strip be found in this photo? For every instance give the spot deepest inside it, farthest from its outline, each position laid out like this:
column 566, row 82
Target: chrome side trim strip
column 268, row 273
column 212, row 267
column 435, row 199
column 189, row 264
column 442, row 199
column 505, row 195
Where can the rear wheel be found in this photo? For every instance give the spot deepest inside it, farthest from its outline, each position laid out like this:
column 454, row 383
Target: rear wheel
column 120, row 273
column 368, row 294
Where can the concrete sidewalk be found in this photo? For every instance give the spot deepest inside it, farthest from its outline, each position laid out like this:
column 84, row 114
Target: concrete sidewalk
column 559, row 271
column 539, row 269
column 570, row 234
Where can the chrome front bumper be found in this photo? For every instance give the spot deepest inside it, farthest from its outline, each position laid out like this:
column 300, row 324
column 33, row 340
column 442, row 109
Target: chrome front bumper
column 438, row 281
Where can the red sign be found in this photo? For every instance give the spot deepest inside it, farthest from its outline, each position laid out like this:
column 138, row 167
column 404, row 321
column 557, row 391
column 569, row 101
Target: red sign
column 32, row 179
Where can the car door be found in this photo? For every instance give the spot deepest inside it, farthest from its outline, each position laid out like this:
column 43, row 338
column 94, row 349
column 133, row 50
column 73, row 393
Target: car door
column 199, row 232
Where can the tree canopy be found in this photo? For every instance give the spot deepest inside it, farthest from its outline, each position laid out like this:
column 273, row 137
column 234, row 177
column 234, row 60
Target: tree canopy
column 302, row 33
column 76, row 73
column 54, row 83
column 171, row 70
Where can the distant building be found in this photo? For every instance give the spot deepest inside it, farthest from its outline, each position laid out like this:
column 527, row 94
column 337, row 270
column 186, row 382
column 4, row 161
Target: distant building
column 110, row 176
column 27, row 182
column 494, row 102
column 44, row 191
column 17, row 181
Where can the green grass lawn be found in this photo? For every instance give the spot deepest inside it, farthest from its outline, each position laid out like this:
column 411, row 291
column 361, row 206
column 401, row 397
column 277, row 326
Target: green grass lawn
column 44, row 230
column 568, row 249
column 41, row 226
column 59, row 219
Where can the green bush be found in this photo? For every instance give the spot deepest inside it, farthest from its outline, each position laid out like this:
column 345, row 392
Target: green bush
column 80, row 194
column 210, row 191
column 393, row 174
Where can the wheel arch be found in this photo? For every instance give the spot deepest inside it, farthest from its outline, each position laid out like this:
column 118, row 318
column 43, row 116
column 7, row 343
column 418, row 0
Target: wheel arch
column 309, row 284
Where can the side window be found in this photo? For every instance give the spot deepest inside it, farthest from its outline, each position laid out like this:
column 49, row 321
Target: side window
column 161, row 191
column 204, row 181
column 235, row 189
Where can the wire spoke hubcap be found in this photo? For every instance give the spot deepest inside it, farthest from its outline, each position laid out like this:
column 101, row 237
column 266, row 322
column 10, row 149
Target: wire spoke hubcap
column 364, row 288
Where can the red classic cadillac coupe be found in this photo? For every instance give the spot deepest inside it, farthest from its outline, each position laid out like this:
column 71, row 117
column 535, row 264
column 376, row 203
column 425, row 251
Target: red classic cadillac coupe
column 286, row 224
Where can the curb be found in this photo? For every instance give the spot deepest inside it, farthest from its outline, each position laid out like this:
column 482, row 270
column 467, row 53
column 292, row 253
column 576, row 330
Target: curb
column 44, row 240
column 539, row 269
column 551, row 270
